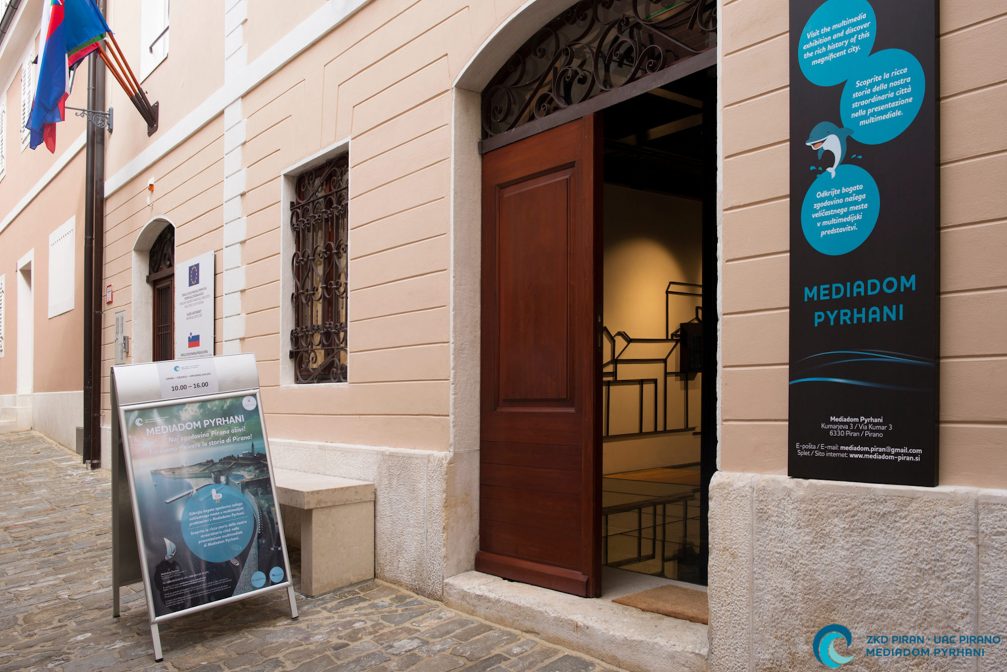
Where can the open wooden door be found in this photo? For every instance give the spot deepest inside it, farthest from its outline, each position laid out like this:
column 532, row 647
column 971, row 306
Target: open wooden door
column 540, row 482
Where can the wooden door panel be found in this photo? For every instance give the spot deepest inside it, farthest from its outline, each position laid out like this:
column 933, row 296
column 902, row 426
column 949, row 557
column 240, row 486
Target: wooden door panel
column 524, row 452
column 515, row 540
column 533, row 478
column 533, row 291
column 540, row 421
column 544, row 510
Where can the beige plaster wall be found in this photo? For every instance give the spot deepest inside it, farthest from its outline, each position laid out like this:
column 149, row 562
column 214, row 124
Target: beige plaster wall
column 192, row 71
column 268, row 21
column 188, row 193
column 381, row 80
column 973, row 306
column 57, row 355
column 25, row 167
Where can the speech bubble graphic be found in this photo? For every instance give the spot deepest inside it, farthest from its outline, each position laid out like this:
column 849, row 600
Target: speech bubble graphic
column 836, row 39
column 839, row 213
column 884, row 96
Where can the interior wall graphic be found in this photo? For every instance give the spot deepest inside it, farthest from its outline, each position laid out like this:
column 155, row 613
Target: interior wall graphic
column 651, row 239
column 864, row 257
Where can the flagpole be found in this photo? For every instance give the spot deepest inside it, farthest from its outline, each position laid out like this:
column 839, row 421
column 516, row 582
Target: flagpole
column 128, row 70
column 151, row 110
column 129, row 91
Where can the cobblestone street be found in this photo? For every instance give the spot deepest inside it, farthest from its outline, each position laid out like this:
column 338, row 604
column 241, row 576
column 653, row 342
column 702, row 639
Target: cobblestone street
column 55, row 588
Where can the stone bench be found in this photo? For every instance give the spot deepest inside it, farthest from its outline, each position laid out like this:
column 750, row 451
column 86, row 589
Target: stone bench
column 332, row 521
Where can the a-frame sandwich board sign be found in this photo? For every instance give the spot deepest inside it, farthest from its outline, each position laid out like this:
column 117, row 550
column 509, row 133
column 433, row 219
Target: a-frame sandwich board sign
column 195, row 515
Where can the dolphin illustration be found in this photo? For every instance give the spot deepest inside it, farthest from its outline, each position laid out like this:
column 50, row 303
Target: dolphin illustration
column 169, row 548
column 827, row 137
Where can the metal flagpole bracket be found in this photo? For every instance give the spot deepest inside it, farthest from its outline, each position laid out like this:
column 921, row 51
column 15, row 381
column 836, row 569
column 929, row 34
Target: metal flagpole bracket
column 152, row 122
column 96, row 117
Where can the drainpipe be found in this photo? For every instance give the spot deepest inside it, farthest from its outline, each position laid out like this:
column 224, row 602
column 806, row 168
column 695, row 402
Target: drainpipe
column 94, row 260
column 8, row 18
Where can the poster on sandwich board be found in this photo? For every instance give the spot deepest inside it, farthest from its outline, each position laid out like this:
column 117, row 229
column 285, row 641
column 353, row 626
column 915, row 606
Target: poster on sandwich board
column 201, row 487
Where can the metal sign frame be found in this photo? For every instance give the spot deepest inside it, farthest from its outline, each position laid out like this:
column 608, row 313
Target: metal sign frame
column 138, row 387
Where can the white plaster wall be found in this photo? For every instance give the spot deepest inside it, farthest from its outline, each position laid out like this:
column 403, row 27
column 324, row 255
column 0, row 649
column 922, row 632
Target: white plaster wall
column 106, row 447
column 58, row 415
column 791, row 556
column 15, row 412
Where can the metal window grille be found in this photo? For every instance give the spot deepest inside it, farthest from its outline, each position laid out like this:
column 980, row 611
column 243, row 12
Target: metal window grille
column 318, row 220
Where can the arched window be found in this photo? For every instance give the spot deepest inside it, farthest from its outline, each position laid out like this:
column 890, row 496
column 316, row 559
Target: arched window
column 161, row 278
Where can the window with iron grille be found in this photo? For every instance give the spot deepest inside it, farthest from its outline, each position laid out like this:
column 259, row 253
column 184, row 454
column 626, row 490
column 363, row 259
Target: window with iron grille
column 318, row 220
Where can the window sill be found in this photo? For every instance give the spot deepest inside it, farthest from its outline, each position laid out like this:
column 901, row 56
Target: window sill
column 291, row 385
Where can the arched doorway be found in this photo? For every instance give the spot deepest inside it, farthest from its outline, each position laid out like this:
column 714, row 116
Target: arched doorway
column 624, row 87
column 153, row 292
column 161, row 278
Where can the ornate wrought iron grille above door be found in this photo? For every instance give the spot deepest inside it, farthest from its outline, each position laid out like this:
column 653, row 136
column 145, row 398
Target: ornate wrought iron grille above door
column 318, row 219
column 592, row 48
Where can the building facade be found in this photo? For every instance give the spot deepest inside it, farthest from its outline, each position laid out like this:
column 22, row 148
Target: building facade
column 41, row 249
column 335, row 156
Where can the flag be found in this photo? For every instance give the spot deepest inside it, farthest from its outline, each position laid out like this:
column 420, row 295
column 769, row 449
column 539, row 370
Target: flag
column 71, row 29
column 86, row 28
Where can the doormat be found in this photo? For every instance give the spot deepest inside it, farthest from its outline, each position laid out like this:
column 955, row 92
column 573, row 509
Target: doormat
column 685, row 603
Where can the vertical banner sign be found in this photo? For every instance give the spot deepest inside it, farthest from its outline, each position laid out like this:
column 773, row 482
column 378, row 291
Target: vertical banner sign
column 863, row 240
column 194, row 307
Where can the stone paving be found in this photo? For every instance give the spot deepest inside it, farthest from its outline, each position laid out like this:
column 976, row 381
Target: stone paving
column 55, row 601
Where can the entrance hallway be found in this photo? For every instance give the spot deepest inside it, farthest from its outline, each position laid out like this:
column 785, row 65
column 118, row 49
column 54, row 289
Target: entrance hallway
column 55, row 587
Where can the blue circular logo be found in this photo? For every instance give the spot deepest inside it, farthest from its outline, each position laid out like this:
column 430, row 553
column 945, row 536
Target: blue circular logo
column 835, row 40
column 824, row 645
column 258, row 580
column 839, row 213
column 217, row 523
column 276, row 574
column 883, row 96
